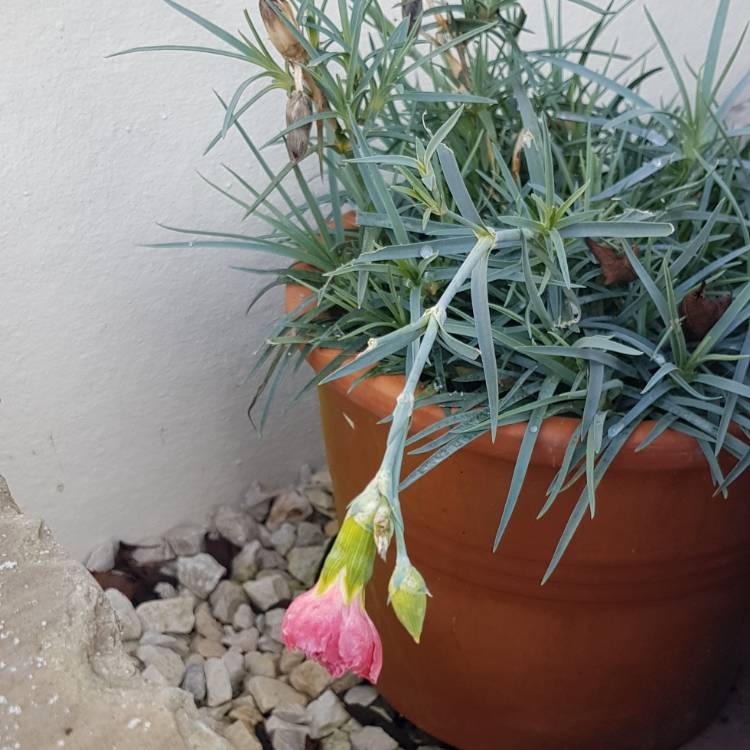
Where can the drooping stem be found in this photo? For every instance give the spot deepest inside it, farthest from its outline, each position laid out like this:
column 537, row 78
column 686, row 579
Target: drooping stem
column 389, row 473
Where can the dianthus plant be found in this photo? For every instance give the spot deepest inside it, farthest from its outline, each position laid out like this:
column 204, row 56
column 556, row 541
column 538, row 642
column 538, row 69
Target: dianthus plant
column 532, row 237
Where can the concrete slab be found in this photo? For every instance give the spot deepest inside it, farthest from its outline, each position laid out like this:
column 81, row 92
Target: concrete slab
column 65, row 681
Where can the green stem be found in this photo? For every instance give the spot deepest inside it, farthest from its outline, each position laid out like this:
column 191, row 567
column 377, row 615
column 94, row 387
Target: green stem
column 390, row 468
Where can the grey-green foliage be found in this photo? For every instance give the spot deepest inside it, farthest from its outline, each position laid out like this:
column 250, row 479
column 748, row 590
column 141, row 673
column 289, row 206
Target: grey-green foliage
column 419, row 139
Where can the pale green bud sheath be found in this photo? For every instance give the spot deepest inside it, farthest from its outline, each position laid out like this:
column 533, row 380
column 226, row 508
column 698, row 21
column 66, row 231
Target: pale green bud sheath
column 352, row 553
column 354, row 550
column 408, row 596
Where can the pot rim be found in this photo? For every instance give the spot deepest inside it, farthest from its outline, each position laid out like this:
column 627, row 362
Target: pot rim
column 672, row 450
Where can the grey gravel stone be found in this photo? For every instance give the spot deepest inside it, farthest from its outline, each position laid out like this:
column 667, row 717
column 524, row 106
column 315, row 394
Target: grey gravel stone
column 269, row 645
column 245, row 640
column 310, row 678
column 272, row 628
column 270, row 558
column 310, row 535
column 246, row 563
column 194, row 681
column 291, row 506
column 165, row 590
column 264, row 536
column 199, row 573
column 186, row 539
column 321, row 478
column 193, row 658
column 130, row 623
column 304, row 563
column 289, row 660
column 218, row 683
column 152, row 550
column 372, row 738
column 245, row 710
column 346, row 681
column 167, row 615
column 208, row 649
column 257, row 498
column 268, row 591
column 321, row 500
column 260, row 511
column 260, row 664
column 286, row 735
column 242, row 738
column 361, row 695
column 326, row 714
column 164, row 660
column 235, row 525
column 292, row 712
column 226, row 599
column 338, row 740
column 206, row 624
column 283, row 538
column 218, row 712
column 269, row 693
column 102, row 557
column 244, row 617
column 234, row 661
column 178, row 644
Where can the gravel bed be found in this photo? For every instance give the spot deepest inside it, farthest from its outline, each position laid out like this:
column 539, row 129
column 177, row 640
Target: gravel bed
column 201, row 608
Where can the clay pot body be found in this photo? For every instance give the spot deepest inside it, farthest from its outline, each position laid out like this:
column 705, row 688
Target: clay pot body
column 634, row 642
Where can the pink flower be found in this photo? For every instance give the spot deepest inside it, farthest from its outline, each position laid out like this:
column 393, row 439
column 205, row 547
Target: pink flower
column 335, row 630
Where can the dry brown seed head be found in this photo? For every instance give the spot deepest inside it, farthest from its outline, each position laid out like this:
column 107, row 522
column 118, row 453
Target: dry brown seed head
column 279, row 33
column 298, row 105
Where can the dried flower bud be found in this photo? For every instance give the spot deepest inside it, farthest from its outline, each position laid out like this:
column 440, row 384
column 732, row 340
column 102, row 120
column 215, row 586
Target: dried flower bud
column 411, row 9
column 382, row 528
column 700, row 313
column 524, row 138
column 616, row 268
column 298, row 105
column 279, row 33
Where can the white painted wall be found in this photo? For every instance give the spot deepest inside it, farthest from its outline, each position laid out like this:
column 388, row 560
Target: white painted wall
column 123, row 378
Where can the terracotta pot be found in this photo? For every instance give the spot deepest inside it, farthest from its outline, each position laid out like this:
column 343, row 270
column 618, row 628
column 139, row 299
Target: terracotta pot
column 633, row 643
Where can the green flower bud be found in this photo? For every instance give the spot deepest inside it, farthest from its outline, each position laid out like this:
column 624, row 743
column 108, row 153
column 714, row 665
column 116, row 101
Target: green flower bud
column 408, row 596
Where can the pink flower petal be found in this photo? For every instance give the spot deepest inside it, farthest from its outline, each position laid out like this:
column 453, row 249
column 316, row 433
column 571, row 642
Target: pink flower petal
column 338, row 634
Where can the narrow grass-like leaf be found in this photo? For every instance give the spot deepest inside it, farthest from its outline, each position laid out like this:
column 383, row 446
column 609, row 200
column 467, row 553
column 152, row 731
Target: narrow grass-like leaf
column 582, row 504
column 483, row 323
column 593, row 395
column 379, row 348
column 593, row 445
column 456, row 185
column 212, row 28
column 524, row 457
